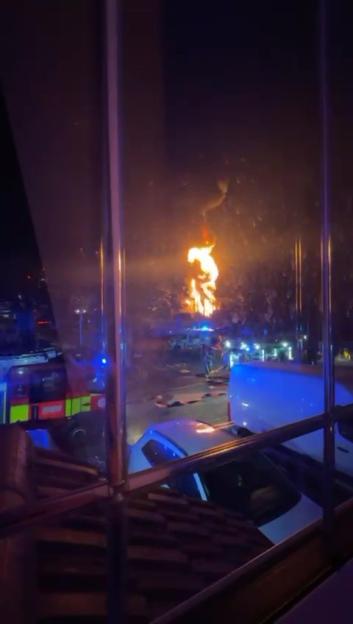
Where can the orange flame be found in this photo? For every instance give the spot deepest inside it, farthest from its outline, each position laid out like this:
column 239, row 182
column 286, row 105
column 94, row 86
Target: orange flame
column 203, row 287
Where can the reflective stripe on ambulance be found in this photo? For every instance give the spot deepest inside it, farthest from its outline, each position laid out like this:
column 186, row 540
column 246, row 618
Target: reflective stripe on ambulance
column 72, row 406
column 85, row 403
column 19, row 413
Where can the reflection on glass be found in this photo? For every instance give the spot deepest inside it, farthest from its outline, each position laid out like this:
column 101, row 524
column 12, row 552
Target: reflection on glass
column 260, row 487
column 342, row 237
column 344, row 449
column 52, row 362
column 222, row 226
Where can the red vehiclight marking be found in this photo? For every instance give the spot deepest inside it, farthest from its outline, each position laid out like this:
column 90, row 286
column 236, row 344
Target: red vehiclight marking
column 52, row 409
column 98, row 402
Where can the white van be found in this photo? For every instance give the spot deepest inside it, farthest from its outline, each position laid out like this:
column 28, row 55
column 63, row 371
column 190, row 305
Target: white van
column 263, row 396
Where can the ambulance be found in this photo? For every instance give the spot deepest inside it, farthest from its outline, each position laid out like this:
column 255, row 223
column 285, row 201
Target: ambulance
column 36, row 388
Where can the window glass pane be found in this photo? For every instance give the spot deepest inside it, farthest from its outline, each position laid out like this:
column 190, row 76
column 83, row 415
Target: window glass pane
column 343, row 442
column 221, row 167
column 53, row 358
column 278, row 490
column 157, row 453
column 342, row 237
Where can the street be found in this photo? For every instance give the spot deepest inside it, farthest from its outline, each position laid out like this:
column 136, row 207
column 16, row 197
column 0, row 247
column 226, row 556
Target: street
column 176, row 390
column 175, row 387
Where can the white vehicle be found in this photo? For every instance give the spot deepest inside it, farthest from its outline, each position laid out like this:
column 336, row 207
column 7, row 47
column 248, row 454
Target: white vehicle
column 265, row 396
column 190, row 340
column 253, row 486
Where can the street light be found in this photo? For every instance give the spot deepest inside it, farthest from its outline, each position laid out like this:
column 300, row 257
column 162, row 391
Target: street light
column 80, row 312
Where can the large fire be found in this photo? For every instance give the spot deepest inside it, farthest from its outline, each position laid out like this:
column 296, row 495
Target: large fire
column 203, row 286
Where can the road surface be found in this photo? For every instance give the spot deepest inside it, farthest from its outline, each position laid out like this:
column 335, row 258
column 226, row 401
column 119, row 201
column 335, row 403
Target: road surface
column 187, row 402
column 176, row 389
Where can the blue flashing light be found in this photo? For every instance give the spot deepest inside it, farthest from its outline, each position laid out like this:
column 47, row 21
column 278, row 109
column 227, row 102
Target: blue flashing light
column 100, row 361
column 204, row 328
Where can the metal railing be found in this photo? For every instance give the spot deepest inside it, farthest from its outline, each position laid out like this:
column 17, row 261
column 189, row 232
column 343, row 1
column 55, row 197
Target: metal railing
column 223, row 453
column 55, row 506
column 27, row 516
column 114, row 503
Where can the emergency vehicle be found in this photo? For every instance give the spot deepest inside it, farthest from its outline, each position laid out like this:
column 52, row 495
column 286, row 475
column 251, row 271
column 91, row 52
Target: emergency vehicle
column 35, row 388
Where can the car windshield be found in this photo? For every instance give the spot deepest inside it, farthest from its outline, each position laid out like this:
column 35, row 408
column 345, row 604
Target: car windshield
column 157, row 453
column 254, row 487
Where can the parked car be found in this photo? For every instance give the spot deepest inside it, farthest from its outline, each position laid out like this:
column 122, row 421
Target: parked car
column 268, row 395
column 253, row 486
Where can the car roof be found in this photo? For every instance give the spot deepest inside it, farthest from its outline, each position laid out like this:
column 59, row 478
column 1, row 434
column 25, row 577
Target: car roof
column 191, row 436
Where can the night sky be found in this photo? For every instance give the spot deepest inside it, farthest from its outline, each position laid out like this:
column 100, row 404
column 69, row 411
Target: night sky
column 240, row 76
column 19, row 254
column 210, row 91
column 242, row 104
